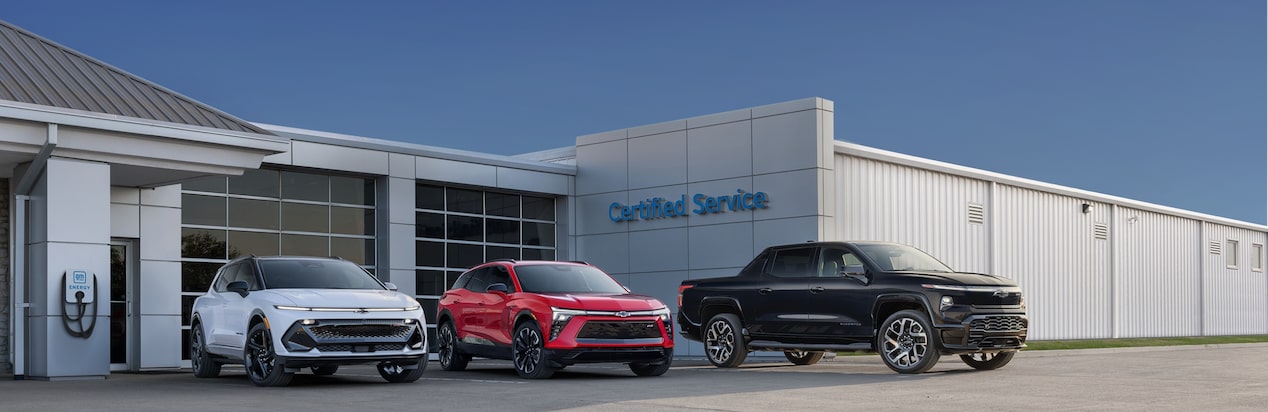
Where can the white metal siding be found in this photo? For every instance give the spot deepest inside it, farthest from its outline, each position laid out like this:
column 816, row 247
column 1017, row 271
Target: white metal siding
column 1048, row 245
column 1159, row 278
column 925, row 209
column 1234, row 301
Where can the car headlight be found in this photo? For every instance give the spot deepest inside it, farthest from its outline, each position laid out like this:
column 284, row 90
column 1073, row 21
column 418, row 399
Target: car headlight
column 559, row 318
column 946, row 302
column 663, row 314
column 358, row 310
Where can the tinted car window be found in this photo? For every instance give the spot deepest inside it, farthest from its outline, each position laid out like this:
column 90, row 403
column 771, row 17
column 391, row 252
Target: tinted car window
column 892, row 257
column 478, row 281
column 566, row 279
column 226, row 275
column 756, row 266
column 793, row 263
column 500, row 275
column 316, row 274
column 832, row 260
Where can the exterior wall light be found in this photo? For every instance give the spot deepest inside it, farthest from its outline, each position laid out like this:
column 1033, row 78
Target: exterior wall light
column 1087, row 208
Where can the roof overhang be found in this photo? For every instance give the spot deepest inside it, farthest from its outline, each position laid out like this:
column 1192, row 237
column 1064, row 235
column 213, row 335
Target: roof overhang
column 141, row 152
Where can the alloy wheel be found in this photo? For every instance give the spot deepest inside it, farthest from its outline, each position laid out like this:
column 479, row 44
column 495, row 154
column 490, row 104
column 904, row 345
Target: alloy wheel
column 905, row 342
column 720, row 341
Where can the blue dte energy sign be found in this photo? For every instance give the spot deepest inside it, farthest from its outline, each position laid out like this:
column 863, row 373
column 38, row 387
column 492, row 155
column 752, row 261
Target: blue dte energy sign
column 701, row 204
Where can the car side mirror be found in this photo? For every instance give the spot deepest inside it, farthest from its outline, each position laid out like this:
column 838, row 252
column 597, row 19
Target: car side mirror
column 390, row 286
column 856, row 272
column 499, row 288
column 239, row 286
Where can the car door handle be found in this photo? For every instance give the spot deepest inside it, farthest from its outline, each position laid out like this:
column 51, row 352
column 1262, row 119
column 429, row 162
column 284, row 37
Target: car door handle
column 816, row 289
column 765, row 291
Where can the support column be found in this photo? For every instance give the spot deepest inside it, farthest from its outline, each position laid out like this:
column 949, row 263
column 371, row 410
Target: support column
column 69, row 222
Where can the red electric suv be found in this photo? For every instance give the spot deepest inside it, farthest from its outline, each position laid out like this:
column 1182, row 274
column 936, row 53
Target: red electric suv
column 545, row 315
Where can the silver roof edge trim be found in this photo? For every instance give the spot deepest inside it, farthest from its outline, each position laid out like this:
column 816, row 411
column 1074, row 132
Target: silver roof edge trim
column 362, row 142
column 854, row 149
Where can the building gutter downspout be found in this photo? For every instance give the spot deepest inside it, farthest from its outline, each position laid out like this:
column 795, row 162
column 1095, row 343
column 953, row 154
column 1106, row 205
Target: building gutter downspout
column 17, row 292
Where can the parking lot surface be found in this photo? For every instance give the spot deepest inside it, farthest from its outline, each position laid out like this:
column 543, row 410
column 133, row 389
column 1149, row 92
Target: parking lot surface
column 1216, row 377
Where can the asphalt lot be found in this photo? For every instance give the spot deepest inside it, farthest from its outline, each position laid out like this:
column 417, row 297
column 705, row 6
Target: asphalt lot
column 1217, row 377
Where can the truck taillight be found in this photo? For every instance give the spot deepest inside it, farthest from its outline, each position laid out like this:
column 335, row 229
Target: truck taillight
column 680, row 290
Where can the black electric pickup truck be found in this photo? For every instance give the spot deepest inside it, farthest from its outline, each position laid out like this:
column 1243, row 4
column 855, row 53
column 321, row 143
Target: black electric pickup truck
column 808, row 298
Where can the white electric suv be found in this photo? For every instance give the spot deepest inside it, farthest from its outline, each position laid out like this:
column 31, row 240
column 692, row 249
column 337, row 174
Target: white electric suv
column 278, row 315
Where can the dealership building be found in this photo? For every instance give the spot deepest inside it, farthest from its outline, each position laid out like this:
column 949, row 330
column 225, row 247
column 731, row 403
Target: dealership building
column 115, row 180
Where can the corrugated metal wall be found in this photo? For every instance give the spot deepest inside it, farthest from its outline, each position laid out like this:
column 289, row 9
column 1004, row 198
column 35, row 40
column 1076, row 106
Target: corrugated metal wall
column 1104, row 272
column 929, row 210
column 1230, row 303
column 1050, row 246
column 1158, row 288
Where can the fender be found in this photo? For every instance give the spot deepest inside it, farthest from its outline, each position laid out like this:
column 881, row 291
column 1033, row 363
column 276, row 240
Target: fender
column 915, row 298
column 726, row 301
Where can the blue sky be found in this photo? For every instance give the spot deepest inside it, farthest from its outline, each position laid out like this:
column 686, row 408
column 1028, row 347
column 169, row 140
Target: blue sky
column 1156, row 100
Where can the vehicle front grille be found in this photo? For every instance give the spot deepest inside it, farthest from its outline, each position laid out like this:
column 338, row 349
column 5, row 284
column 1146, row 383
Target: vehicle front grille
column 998, row 324
column 365, row 348
column 341, row 335
column 619, row 330
column 334, row 332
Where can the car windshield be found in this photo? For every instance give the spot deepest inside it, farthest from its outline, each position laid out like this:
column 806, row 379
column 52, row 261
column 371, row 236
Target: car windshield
column 566, row 279
column 316, row 274
column 902, row 258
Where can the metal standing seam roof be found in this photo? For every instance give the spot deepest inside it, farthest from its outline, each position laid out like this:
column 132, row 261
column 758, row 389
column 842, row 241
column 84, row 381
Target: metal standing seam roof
column 36, row 70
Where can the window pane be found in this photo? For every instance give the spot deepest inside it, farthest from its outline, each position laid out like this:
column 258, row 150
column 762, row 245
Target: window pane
column 464, row 256
column 197, row 276
column 214, row 184
column 305, row 218
column 429, row 225
column 255, row 183
column 305, row 245
column 203, row 243
column 538, row 254
column 255, row 214
column 429, row 197
column 539, row 234
column 305, row 186
column 352, row 190
column 502, row 231
column 359, row 251
column 502, row 205
column 501, row 252
column 466, row 201
column 1258, row 258
column 187, row 307
column 252, row 243
column 429, row 254
column 430, row 282
column 466, row 228
column 540, row 208
column 202, row 210
column 351, row 220
column 429, row 309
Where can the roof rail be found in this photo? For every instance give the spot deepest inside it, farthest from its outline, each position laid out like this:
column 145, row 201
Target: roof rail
column 581, row 262
column 503, row 260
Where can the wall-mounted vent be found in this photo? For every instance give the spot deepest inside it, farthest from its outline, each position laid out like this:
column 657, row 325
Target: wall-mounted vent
column 1100, row 231
column 976, row 213
column 1216, row 247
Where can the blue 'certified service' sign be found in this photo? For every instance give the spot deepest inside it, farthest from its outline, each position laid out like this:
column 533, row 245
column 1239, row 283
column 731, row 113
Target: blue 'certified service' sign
column 701, row 204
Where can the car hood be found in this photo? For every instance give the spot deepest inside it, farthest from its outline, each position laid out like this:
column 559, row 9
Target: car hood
column 626, row 302
column 967, row 279
column 341, row 298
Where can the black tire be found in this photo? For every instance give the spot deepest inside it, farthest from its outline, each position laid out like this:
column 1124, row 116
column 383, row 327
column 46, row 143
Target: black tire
column 987, row 361
column 908, row 343
column 325, row 370
column 204, row 366
column 801, row 357
column 260, row 361
column 398, row 373
column 529, row 353
column 723, row 343
column 651, row 369
column 447, row 347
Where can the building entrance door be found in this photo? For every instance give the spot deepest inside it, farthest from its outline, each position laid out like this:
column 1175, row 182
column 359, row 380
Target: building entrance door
column 123, row 303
